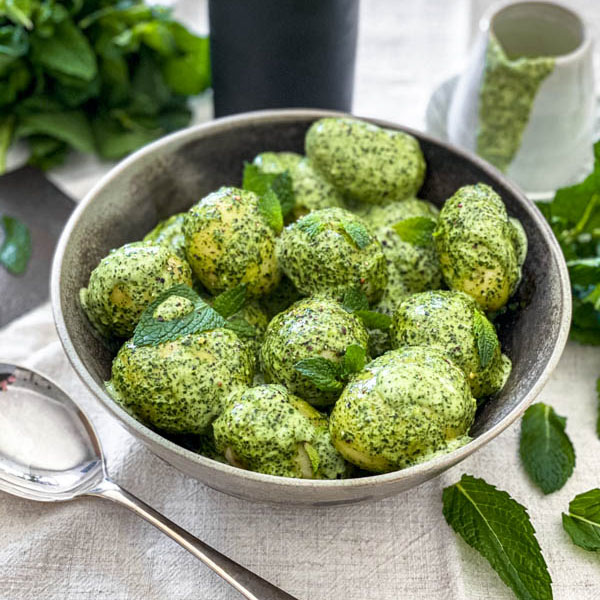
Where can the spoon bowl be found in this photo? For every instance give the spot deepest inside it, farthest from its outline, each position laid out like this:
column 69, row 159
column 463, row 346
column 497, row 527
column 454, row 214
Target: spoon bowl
column 49, row 452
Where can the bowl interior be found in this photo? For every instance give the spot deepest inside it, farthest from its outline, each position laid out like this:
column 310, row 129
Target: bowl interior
column 174, row 173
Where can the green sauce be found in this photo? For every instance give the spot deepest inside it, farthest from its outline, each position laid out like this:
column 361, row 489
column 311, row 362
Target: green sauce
column 506, row 97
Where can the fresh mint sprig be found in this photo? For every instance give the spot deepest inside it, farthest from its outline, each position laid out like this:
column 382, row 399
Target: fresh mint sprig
column 545, row 449
column 486, row 338
column 354, row 301
column 195, row 316
column 416, row 230
column 328, row 375
column 499, row 528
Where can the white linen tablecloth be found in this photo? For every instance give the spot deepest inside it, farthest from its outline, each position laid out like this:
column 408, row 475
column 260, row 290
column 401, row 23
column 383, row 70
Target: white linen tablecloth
column 396, row 549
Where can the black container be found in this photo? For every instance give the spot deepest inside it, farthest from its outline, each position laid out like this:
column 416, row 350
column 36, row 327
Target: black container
column 282, row 53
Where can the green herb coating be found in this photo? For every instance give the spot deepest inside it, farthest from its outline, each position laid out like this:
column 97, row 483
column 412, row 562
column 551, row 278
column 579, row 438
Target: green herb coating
column 365, row 162
column 267, row 429
column 181, row 386
column 403, row 408
column 323, row 258
column 169, row 233
column 311, row 327
column 445, row 320
column 480, row 249
column 128, row 280
column 228, row 242
column 506, row 98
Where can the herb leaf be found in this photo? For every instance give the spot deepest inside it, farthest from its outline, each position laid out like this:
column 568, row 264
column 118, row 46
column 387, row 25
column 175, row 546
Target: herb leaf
column 374, row 320
column 151, row 331
column 311, row 224
column 255, row 180
column 416, row 230
column 499, row 528
column 582, row 522
column 15, row 251
column 323, row 373
column 354, row 359
column 229, row 302
column 485, row 338
column 270, row 209
column 277, row 184
column 358, row 233
column 354, row 299
column 545, row 449
column 241, row 327
column 283, row 188
column 313, row 456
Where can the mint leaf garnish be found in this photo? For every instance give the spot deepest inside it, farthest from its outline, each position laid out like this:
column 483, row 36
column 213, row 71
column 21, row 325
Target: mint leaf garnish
column 354, row 359
column 241, row 327
column 355, row 299
column 374, row 320
column 277, row 186
column 485, row 338
column 197, row 316
column 582, row 522
column 15, row 251
column 545, row 449
column 416, row 230
column 313, row 456
column 323, row 373
column 499, row 528
column 270, row 209
column 229, row 302
column 358, row 233
column 311, row 224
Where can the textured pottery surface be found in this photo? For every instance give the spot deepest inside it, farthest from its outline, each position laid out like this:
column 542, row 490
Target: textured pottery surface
column 173, row 173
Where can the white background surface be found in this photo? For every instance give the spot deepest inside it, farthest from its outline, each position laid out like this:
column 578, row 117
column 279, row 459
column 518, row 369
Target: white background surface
column 397, row 549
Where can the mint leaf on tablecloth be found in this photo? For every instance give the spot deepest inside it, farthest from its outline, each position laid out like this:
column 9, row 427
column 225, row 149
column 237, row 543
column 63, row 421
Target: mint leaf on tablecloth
column 231, row 301
column 197, row 316
column 15, row 251
column 358, row 233
column 545, row 449
column 582, row 522
column 416, row 230
column 323, row 373
column 485, row 338
column 499, row 528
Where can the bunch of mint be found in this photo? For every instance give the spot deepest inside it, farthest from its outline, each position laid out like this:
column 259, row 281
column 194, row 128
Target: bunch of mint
column 97, row 76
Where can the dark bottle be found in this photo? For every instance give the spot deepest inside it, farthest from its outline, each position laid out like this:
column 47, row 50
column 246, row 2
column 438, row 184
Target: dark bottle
column 282, row 53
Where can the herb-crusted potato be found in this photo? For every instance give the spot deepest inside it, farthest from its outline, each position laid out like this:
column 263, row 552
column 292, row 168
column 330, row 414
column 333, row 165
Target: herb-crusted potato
column 227, row 242
column 449, row 321
column 481, row 249
column 128, row 280
column 181, row 386
column 403, row 408
column 365, row 162
column 267, row 429
column 330, row 250
column 310, row 327
column 311, row 190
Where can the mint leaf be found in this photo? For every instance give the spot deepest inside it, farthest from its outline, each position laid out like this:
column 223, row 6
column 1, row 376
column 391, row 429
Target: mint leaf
column 284, row 190
column 311, row 224
column 374, row 320
column 485, row 338
column 358, row 233
column 323, row 373
column 416, row 230
column 499, row 528
column 270, row 209
column 15, row 251
column 545, row 449
column 229, row 302
column 355, row 299
column 241, row 327
column 313, row 456
column 153, row 330
column 354, row 359
column 582, row 522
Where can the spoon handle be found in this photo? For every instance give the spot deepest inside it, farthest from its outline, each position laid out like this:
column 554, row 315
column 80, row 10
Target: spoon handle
column 250, row 585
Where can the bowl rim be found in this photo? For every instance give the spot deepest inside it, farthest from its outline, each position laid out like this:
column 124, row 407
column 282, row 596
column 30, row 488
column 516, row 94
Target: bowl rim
column 149, row 437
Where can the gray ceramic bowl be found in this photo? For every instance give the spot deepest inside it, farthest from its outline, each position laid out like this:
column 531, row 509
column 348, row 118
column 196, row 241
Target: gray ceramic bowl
column 171, row 174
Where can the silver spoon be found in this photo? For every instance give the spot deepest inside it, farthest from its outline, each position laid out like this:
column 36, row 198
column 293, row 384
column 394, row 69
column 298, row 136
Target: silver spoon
column 49, row 452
